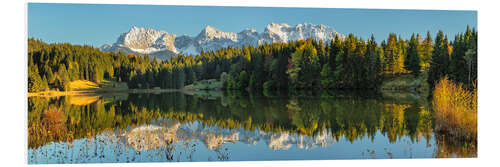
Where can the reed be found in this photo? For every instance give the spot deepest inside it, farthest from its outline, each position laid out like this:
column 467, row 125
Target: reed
column 456, row 111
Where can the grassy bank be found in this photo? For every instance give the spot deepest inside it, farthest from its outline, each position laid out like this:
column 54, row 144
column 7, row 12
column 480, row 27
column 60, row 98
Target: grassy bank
column 210, row 84
column 456, row 111
column 405, row 82
column 392, row 82
column 398, row 82
column 84, row 87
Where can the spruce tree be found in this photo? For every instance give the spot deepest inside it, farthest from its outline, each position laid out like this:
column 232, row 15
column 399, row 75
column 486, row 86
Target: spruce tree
column 440, row 59
column 412, row 60
column 458, row 64
column 427, row 48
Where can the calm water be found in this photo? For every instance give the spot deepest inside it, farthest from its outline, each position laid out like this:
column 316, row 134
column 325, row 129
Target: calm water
column 232, row 126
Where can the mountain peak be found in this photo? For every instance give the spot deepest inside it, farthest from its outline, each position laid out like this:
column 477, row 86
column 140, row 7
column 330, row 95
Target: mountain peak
column 276, row 26
column 209, row 28
column 136, row 29
column 210, row 33
column 249, row 30
column 140, row 40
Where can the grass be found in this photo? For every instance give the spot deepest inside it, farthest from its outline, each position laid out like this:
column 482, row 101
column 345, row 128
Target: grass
column 85, row 87
column 210, row 84
column 406, row 82
column 456, row 111
column 110, row 85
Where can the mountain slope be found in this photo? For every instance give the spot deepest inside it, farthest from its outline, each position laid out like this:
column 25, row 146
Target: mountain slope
column 162, row 45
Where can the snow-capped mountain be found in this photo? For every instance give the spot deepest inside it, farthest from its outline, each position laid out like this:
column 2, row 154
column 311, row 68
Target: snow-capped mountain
column 284, row 33
column 141, row 41
column 162, row 45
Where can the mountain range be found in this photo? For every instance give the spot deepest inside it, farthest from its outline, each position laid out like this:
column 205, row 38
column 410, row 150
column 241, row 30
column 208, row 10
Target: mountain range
column 162, row 45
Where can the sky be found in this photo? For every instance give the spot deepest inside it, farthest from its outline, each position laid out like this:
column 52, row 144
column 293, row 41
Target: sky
column 98, row 24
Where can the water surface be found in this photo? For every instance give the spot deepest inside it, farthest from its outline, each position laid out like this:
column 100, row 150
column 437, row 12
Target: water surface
column 232, row 126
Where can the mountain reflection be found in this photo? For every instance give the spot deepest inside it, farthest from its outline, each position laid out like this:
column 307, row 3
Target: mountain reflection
column 178, row 121
column 147, row 137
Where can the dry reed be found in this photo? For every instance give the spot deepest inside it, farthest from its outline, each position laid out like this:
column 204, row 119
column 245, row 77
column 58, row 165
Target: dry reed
column 456, row 111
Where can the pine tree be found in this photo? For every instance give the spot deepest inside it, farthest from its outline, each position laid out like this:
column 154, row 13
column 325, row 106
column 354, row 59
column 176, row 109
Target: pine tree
column 327, row 80
column 457, row 62
column 412, row 60
column 391, row 52
column 471, row 59
column 34, row 79
column 440, row 60
column 295, row 68
column 427, row 49
column 374, row 64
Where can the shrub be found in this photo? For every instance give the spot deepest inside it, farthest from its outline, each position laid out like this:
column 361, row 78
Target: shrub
column 456, row 111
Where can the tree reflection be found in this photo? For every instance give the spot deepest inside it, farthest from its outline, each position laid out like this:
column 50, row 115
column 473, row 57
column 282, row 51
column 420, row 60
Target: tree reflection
column 324, row 118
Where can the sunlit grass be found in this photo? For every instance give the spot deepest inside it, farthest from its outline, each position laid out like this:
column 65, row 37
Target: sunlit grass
column 456, row 111
column 406, row 82
column 83, row 85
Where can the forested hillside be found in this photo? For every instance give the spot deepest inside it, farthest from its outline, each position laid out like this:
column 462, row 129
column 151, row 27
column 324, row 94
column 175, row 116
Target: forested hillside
column 353, row 63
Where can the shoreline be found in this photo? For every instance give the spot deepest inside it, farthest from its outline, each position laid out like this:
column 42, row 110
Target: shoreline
column 95, row 92
column 53, row 93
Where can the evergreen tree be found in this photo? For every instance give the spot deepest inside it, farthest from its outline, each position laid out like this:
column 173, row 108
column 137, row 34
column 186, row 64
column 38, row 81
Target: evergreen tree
column 327, row 80
column 457, row 70
column 412, row 61
column 295, row 69
column 391, row 53
column 440, row 60
column 34, row 80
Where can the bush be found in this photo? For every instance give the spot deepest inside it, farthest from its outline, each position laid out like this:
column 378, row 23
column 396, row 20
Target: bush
column 456, row 110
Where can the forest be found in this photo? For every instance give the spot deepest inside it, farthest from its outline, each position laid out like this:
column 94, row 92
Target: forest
column 353, row 63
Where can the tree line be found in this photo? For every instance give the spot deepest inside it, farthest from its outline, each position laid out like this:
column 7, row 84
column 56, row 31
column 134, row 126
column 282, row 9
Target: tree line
column 352, row 63
column 457, row 59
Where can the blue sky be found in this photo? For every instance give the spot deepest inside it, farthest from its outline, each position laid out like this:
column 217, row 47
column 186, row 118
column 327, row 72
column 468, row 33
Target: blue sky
column 96, row 25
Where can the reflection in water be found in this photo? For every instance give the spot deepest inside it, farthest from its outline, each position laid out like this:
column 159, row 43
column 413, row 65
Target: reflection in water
column 148, row 137
column 232, row 126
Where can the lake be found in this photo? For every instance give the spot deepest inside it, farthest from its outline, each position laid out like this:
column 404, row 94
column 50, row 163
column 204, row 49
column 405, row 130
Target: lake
column 234, row 126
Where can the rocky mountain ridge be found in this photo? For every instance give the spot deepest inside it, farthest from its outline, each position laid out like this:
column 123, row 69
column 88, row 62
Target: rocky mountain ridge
column 162, row 45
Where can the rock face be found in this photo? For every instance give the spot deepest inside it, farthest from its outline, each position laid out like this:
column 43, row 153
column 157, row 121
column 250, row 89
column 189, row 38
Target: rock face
column 162, row 45
column 142, row 41
column 147, row 40
column 284, row 33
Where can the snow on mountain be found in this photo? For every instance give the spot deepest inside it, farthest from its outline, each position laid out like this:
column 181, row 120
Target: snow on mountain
column 212, row 39
column 284, row 33
column 162, row 45
column 142, row 41
column 147, row 40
